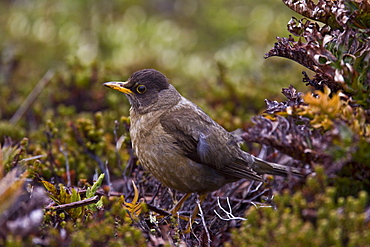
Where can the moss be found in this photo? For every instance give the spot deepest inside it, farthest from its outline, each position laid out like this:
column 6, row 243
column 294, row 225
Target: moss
column 311, row 217
column 14, row 132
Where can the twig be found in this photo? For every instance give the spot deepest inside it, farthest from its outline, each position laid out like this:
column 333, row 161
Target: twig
column 204, row 222
column 77, row 204
column 107, row 174
column 33, row 157
column 239, row 201
column 155, row 193
column 32, row 96
column 157, row 210
column 263, row 152
column 249, row 190
column 229, row 213
column 261, row 205
column 101, row 192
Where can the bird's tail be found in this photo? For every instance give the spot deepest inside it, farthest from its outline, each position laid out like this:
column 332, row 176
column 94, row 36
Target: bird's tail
column 265, row 167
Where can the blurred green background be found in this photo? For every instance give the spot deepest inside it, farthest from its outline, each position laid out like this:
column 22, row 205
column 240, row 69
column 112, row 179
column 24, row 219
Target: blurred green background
column 211, row 50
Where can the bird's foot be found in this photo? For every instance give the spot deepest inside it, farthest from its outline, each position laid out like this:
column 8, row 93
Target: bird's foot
column 194, row 214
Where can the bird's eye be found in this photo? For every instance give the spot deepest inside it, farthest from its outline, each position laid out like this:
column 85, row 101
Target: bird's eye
column 141, row 89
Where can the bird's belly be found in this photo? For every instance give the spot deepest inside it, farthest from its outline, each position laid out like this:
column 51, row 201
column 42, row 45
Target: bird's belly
column 159, row 155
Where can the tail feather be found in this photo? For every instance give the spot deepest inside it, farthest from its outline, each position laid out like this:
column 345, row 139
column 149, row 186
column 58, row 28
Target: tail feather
column 265, row 167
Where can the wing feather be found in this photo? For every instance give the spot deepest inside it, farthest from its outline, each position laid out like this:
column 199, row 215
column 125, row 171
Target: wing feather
column 206, row 142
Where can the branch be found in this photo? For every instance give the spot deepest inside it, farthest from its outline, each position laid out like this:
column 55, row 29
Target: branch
column 77, row 204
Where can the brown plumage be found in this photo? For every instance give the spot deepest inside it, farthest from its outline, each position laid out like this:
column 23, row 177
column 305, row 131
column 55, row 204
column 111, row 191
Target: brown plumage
column 180, row 144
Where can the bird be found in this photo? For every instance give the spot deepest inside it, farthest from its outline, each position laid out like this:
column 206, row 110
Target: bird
column 180, row 145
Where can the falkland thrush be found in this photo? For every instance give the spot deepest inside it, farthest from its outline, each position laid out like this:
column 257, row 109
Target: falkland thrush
column 180, row 144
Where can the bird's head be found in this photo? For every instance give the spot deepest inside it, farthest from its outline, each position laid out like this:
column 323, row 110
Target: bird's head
column 147, row 90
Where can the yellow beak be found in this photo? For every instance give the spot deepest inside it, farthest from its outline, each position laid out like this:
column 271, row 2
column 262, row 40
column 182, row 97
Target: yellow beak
column 119, row 86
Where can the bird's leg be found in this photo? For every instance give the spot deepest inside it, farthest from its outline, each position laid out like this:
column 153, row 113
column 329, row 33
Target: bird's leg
column 178, row 205
column 194, row 214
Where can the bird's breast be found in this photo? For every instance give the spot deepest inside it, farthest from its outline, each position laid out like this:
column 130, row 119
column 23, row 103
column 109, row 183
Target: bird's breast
column 144, row 128
column 159, row 154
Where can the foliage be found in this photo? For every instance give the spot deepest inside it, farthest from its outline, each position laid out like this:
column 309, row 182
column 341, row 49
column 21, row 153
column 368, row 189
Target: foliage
column 338, row 51
column 54, row 56
column 63, row 196
column 11, row 181
column 310, row 217
column 108, row 227
column 331, row 125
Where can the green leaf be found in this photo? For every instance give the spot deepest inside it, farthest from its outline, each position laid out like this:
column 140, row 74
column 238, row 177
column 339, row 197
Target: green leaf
column 75, row 197
column 99, row 204
column 75, row 212
column 90, row 192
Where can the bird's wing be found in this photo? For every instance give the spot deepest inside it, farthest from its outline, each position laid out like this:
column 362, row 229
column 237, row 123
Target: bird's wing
column 206, row 142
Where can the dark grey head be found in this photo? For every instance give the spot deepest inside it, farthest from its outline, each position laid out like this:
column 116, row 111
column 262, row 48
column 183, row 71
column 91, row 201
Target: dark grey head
column 147, row 90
